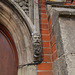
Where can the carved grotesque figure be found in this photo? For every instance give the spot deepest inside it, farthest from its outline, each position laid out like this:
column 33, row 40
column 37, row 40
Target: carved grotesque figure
column 36, row 40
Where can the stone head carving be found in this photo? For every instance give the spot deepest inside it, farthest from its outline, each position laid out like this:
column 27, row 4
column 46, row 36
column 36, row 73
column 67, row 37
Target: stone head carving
column 36, row 40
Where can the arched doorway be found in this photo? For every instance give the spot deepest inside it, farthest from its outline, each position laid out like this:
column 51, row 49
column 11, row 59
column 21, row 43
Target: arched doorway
column 8, row 53
column 21, row 28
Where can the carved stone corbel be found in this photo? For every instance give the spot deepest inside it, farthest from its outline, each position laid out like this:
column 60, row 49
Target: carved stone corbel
column 36, row 41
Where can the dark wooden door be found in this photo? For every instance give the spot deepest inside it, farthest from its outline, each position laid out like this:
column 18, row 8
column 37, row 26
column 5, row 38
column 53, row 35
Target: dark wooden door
column 8, row 62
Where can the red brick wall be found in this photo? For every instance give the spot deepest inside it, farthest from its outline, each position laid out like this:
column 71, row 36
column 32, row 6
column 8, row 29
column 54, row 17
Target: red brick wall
column 49, row 49
column 48, row 41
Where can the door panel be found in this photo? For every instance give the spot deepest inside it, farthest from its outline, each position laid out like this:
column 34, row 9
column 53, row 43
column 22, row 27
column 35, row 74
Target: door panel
column 8, row 64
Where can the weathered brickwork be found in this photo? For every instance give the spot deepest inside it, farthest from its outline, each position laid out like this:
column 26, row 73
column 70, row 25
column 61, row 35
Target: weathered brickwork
column 49, row 49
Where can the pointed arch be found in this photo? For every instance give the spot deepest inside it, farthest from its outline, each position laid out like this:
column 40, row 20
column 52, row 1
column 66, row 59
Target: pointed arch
column 20, row 30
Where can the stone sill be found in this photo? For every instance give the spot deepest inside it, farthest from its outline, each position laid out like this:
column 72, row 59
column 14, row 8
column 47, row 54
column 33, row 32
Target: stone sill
column 52, row 2
column 65, row 6
column 60, row 4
